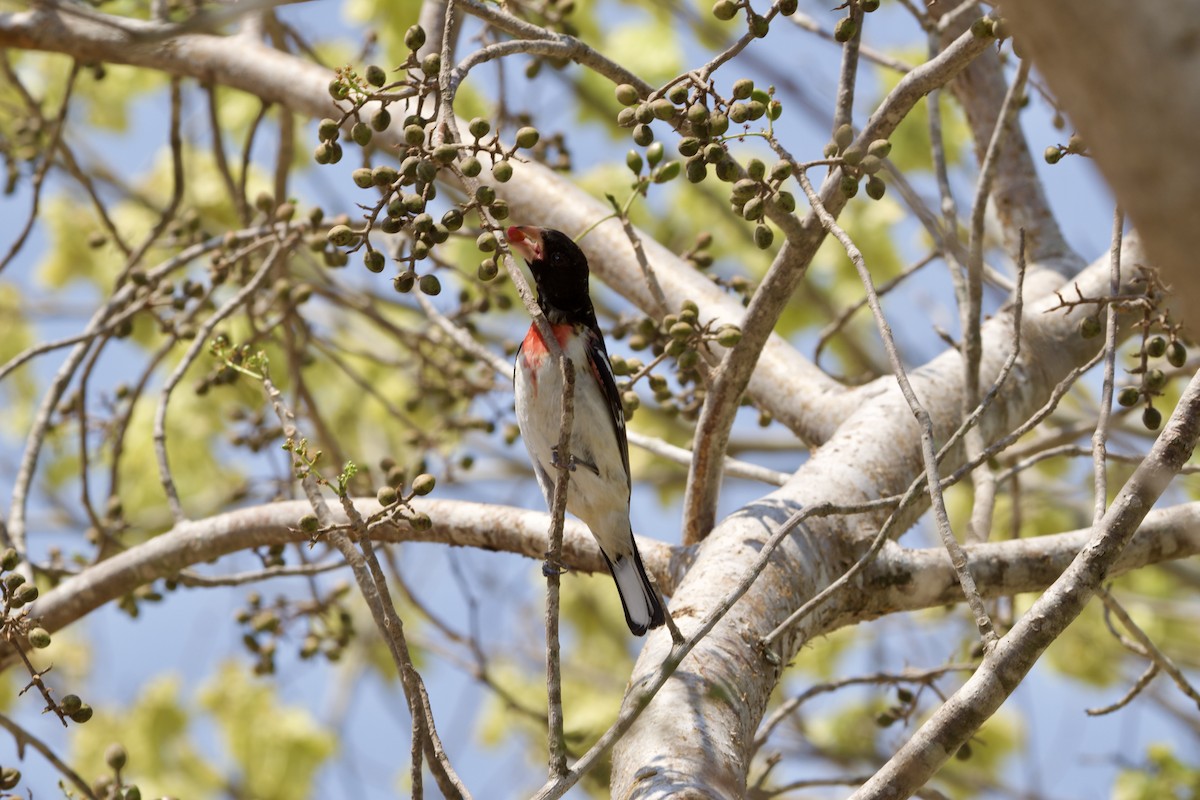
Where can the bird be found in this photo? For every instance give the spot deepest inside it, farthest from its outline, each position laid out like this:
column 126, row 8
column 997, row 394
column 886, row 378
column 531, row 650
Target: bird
column 599, row 486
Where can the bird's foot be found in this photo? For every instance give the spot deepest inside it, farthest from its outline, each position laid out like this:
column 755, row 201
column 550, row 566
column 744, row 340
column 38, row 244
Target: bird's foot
column 553, row 567
column 572, row 462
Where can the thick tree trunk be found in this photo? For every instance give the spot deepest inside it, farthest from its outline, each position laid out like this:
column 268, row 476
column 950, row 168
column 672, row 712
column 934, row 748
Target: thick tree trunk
column 1128, row 75
column 701, row 725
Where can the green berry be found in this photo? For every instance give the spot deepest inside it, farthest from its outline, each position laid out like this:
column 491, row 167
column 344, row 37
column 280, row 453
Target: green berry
column 843, row 136
column 729, row 335
column 83, row 714
column 1090, row 326
column 115, row 756
column 643, row 135
column 338, row 90
column 414, row 135
column 1176, row 354
column 381, row 120
column 384, row 176
column 340, row 235
column 374, row 260
column 502, row 171
column 327, row 130
column 39, row 638
column 414, row 37
column 430, row 285
column 753, row 209
column 527, row 137
column 880, row 148
column 662, row 108
column 1154, row 380
column 845, row 29
column 386, row 496
column 404, row 282
column 1053, row 154
column 1156, row 346
column 763, row 236
column 487, row 270
column 849, row 185
column 742, row 88
column 756, row 169
column 376, row 76
column 362, row 178
column 478, row 127
column 724, row 10
column 1151, row 418
column 1128, row 396
column 423, row 484
column 627, row 94
column 470, row 166
column 70, row 704
column 633, row 160
column 876, row 188
column 9, row 559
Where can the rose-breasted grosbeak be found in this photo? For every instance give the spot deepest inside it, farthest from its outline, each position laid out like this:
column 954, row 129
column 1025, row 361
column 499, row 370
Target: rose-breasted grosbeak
column 598, row 492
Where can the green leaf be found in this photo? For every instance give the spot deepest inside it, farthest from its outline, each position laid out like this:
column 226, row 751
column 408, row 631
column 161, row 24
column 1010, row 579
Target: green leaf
column 277, row 749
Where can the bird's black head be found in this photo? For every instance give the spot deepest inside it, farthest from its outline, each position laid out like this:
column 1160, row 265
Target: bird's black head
column 560, row 271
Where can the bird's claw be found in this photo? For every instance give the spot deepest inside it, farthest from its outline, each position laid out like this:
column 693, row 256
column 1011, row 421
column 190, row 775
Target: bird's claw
column 553, row 567
column 556, row 462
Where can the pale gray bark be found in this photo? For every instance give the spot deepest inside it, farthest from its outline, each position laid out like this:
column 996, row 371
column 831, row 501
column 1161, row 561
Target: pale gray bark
column 702, row 723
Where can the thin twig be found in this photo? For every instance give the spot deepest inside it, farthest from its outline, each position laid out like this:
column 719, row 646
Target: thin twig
column 198, row 344
column 555, row 740
column 1157, row 656
column 24, row 737
column 1100, row 437
column 958, row 556
column 983, row 479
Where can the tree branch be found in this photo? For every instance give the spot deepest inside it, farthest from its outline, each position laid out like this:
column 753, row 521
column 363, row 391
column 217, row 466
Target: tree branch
column 1003, row 668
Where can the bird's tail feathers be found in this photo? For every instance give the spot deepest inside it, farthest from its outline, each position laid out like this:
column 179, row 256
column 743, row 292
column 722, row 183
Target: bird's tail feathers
column 643, row 607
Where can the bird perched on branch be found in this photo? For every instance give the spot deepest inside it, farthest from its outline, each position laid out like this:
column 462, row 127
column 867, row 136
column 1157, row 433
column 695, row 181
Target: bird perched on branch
column 598, row 490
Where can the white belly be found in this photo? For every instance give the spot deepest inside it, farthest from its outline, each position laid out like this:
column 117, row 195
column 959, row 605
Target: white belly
column 600, row 496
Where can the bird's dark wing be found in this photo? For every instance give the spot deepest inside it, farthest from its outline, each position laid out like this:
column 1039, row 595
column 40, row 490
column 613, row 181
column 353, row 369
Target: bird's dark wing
column 602, row 370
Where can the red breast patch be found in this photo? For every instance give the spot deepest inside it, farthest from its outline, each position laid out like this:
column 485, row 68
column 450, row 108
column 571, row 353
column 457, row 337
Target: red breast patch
column 533, row 349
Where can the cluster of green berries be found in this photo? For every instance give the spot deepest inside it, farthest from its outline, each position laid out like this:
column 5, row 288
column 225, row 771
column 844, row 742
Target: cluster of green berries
column 749, row 196
column 406, row 191
column 680, row 336
column 758, row 25
column 113, row 787
column 858, row 162
column 1153, row 379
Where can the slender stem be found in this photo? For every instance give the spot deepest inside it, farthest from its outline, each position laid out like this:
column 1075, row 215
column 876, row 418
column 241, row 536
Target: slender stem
column 1100, row 436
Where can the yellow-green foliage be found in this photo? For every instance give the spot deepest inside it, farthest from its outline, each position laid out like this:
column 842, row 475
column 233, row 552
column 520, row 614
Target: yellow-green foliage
column 910, row 140
column 1165, row 776
column 276, row 749
column 163, row 758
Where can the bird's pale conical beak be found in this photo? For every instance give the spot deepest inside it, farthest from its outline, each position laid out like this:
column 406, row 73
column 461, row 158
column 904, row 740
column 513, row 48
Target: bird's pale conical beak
column 526, row 240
